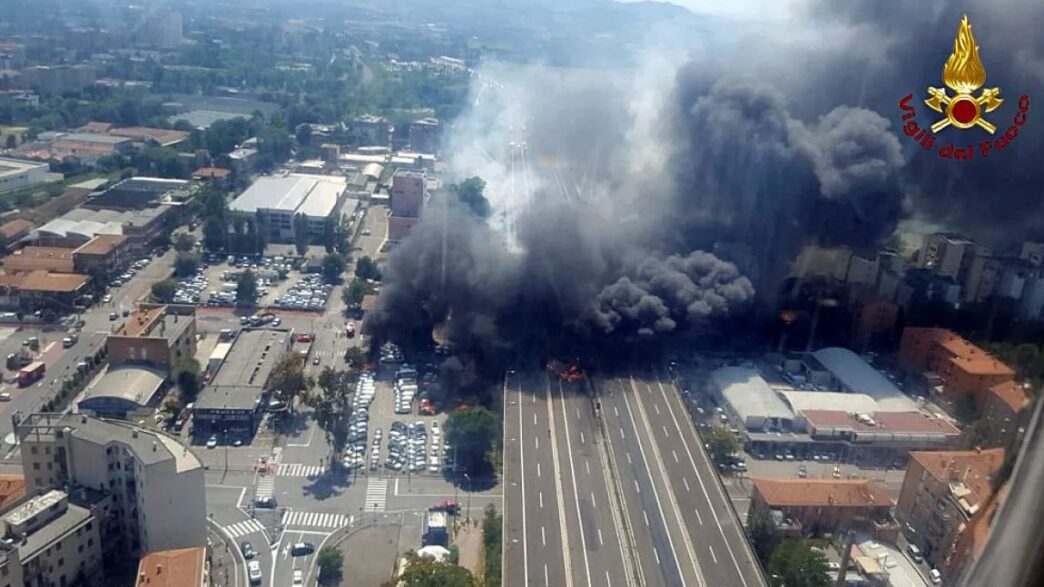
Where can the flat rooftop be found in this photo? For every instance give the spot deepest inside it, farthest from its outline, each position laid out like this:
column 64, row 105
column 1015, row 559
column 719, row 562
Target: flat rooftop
column 242, row 376
column 295, row 194
column 11, row 166
column 859, row 376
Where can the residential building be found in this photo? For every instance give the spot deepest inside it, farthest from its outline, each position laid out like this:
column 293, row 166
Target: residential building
column 1033, row 252
column 57, row 79
column 278, row 200
column 947, row 254
column 941, row 493
column 409, row 193
column 1004, row 407
column 823, row 505
column 876, row 317
column 16, row 174
column 154, row 334
column 964, row 368
column 104, row 255
column 983, row 277
column 372, row 130
column 232, row 403
column 183, row 567
column 243, row 159
column 424, row 135
column 155, row 481
column 215, row 175
column 973, row 539
column 51, row 541
column 1031, row 304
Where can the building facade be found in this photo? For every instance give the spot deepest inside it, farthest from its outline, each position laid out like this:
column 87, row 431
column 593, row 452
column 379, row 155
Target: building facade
column 156, row 483
column 823, row 505
column 16, row 174
column 965, row 369
column 941, row 493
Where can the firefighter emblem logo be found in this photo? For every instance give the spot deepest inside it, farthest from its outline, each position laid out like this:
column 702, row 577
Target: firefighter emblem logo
column 964, row 74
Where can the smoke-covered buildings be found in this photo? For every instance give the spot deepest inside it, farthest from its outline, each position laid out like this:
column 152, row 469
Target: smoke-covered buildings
column 372, row 130
column 425, row 135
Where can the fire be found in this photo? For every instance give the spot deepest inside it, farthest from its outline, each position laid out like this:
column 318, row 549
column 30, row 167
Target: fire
column 963, row 72
column 571, row 374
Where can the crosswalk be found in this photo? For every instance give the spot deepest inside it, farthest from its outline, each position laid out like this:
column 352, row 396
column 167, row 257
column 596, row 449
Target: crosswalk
column 243, row 528
column 265, row 486
column 315, row 520
column 376, row 494
column 298, row 470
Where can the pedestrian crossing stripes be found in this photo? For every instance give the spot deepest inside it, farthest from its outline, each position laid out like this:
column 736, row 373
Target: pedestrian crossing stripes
column 277, row 455
column 376, row 494
column 243, row 528
column 264, row 487
column 314, row 520
column 298, row 470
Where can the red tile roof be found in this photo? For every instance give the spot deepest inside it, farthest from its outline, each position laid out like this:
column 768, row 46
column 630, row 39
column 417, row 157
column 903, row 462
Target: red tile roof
column 972, row 467
column 12, row 488
column 822, row 492
column 101, row 244
column 172, row 568
column 1011, row 393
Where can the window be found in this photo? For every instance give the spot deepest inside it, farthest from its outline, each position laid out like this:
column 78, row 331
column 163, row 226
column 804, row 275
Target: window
column 36, row 466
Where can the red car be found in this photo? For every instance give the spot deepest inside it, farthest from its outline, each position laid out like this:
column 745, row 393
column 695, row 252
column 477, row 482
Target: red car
column 304, row 338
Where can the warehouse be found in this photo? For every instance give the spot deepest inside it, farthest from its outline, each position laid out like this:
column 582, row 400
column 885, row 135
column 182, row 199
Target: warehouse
column 749, row 401
column 279, row 199
column 856, row 375
column 16, row 174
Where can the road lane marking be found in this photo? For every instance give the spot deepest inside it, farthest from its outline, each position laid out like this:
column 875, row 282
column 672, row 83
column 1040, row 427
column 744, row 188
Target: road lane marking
column 587, row 465
column 578, row 414
column 713, row 557
column 608, row 582
column 703, row 487
column 546, row 584
column 621, row 434
column 665, row 433
column 616, row 411
column 686, row 483
column 536, row 442
column 657, row 554
column 541, row 496
column 636, row 488
column 594, row 504
column 699, row 518
column 675, row 455
column 628, row 458
column 646, row 516
column 522, row 478
column 657, row 409
column 559, row 493
column 538, row 470
column 534, row 419
column 543, row 536
column 572, row 475
column 600, row 541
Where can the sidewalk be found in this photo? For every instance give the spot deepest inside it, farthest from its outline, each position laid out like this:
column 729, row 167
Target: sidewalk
column 222, row 563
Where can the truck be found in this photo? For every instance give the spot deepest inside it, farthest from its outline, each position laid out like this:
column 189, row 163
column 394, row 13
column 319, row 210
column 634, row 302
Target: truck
column 31, row 373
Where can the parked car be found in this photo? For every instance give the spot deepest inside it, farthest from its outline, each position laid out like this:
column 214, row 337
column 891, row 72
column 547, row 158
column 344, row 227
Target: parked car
column 212, row 442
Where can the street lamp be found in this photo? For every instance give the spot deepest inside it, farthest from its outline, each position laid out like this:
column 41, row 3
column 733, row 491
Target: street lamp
column 467, row 511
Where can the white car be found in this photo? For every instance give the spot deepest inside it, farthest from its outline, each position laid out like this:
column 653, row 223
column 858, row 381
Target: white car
column 298, row 578
column 254, row 572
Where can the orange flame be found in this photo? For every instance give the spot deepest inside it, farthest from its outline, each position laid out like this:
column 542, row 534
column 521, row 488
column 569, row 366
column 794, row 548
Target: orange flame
column 963, row 72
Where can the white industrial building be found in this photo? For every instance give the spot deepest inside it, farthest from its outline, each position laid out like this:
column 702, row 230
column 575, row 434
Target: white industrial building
column 279, row 199
column 156, row 482
column 16, row 174
column 857, row 376
column 750, row 401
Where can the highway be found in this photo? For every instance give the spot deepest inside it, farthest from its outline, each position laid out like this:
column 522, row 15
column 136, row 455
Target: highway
column 562, row 525
column 707, row 539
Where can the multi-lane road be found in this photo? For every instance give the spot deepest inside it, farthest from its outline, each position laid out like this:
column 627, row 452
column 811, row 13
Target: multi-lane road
column 608, row 484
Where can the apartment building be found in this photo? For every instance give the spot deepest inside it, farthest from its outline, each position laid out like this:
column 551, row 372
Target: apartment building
column 814, row 506
column 156, row 483
column 964, row 368
column 941, row 493
column 47, row 540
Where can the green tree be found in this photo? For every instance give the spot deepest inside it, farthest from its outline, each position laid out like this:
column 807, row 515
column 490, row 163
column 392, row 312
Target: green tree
column 794, row 564
column 721, row 444
column 332, row 408
column 300, row 234
column 354, row 293
column 303, row 134
column 763, row 536
column 355, row 357
column 11, row 142
column 330, row 234
column 163, row 291
column 246, row 290
column 425, row 571
column 187, row 374
column 186, row 264
column 473, row 431
column 215, row 233
column 492, row 542
column 367, row 269
column 333, row 266
column 331, row 563
column 184, row 243
column 470, row 192
column 288, row 378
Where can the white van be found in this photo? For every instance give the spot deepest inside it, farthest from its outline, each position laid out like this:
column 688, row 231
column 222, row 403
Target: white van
column 915, row 553
column 935, row 576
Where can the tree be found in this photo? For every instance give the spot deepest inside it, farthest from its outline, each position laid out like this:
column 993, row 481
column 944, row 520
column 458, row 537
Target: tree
column 330, row 234
column 186, row 373
column 425, row 571
column 246, row 290
column 793, row 563
column 492, row 542
column 365, row 268
column 215, row 233
column 186, row 264
column 184, row 243
column 354, row 293
column 300, row 234
column 11, row 142
column 330, row 562
column 472, row 431
column 333, row 266
column 470, row 192
column 333, row 407
column 721, row 444
column 355, row 357
column 762, row 534
column 288, row 378
column 163, row 291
